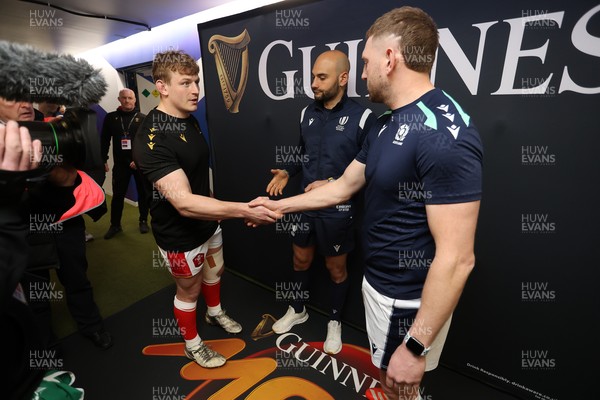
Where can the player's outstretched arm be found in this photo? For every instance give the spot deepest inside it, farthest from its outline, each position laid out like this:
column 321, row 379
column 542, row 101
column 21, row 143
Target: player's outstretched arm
column 175, row 187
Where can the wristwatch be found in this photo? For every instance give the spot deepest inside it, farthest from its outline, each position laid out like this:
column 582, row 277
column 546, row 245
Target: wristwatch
column 415, row 346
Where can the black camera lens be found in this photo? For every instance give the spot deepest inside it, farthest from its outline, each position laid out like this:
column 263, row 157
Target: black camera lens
column 72, row 139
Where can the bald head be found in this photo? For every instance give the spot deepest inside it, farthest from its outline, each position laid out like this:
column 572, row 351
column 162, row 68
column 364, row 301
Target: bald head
column 335, row 58
column 126, row 92
column 330, row 77
column 127, row 99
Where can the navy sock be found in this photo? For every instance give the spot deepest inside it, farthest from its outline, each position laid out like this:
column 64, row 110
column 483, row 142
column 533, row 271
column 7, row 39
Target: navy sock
column 301, row 283
column 338, row 298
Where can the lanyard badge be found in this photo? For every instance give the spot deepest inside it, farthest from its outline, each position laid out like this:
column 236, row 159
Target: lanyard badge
column 125, row 139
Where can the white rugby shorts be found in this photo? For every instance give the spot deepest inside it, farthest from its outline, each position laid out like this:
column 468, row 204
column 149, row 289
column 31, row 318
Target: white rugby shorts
column 388, row 320
column 189, row 263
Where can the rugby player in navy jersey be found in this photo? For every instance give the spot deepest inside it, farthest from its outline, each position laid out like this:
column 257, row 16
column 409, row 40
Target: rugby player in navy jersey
column 421, row 167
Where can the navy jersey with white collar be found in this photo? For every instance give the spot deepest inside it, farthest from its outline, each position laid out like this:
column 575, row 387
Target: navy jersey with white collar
column 427, row 152
column 330, row 139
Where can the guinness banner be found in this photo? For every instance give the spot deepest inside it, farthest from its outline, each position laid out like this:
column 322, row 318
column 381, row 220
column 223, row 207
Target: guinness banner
column 527, row 72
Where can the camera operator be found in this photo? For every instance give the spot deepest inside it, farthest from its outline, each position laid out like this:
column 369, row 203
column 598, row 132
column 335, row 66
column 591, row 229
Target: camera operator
column 63, row 194
column 19, row 158
column 56, row 236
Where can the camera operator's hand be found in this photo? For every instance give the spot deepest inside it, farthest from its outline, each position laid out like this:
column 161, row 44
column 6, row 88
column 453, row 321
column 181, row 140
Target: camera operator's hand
column 17, row 151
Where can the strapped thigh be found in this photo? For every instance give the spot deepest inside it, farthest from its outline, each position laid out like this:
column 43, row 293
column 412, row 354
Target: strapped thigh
column 213, row 267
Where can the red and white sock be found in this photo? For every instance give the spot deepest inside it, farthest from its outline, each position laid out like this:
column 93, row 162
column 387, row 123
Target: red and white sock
column 211, row 290
column 185, row 314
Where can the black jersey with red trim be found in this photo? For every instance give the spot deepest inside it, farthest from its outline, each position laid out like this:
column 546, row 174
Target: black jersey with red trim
column 163, row 145
column 427, row 152
column 330, row 139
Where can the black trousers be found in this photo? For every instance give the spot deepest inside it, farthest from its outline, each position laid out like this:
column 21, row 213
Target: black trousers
column 13, row 251
column 121, row 176
column 72, row 273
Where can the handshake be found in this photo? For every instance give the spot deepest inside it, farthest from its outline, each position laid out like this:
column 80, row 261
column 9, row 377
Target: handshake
column 268, row 211
column 263, row 211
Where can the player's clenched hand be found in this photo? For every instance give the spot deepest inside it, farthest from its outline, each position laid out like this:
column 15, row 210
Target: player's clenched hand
column 264, row 204
column 404, row 373
column 264, row 201
column 260, row 215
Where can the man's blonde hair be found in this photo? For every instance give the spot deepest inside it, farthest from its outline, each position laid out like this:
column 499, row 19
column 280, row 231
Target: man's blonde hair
column 173, row 61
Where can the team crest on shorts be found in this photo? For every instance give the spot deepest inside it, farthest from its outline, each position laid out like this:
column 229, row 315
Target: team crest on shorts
column 198, row 260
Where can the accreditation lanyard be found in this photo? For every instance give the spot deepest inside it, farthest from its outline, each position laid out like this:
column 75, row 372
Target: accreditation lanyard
column 125, row 139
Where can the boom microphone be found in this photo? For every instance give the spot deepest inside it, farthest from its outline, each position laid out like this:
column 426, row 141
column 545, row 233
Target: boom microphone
column 28, row 74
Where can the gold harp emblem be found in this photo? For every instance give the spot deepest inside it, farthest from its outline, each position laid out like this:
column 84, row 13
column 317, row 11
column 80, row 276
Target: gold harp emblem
column 231, row 58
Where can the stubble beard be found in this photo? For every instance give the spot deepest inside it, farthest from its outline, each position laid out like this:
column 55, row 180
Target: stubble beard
column 326, row 95
column 376, row 91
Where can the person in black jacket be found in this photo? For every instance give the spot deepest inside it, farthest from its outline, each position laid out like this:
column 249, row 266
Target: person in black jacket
column 55, row 235
column 121, row 126
column 333, row 128
column 16, row 319
column 25, row 289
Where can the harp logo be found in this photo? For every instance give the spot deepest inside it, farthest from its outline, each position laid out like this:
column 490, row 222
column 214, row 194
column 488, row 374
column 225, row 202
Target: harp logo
column 231, row 59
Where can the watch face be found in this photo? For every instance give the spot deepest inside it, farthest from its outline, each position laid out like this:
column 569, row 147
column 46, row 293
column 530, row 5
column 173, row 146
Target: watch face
column 415, row 347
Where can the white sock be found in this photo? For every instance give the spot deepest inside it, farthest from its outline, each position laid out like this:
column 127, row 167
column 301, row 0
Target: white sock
column 193, row 343
column 216, row 310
